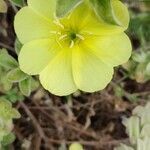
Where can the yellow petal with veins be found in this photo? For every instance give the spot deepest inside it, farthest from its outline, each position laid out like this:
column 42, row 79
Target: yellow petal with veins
column 36, row 55
column 30, row 25
column 44, row 7
column 57, row 76
column 89, row 72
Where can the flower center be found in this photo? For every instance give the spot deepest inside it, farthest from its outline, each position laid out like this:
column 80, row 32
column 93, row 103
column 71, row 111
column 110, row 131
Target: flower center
column 73, row 36
column 66, row 35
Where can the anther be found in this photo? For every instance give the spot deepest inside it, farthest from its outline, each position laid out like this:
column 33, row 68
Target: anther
column 80, row 36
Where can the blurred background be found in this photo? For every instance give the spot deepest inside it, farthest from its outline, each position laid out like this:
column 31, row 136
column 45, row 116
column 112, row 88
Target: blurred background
column 49, row 122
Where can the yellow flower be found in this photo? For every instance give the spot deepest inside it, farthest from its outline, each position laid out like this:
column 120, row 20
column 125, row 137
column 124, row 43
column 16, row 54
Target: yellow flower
column 76, row 52
column 75, row 146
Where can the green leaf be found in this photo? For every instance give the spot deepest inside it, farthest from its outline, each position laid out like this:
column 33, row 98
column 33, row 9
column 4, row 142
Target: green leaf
column 145, row 132
column 119, row 92
column 143, row 144
column 25, row 86
column 140, row 73
column 63, row 7
column 8, row 139
column 132, row 125
column 34, row 84
column 19, row 3
column 14, row 95
column 139, row 26
column 7, row 112
column 7, row 85
column 5, row 147
column 139, row 57
column 18, row 46
column 16, row 75
column 3, row 6
column 104, row 10
column 7, row 60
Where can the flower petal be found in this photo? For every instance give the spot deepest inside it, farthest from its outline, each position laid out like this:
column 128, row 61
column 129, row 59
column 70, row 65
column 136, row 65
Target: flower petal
column 45, row 7
column 57, row 76
column 30, row 26
column 35, row 55
column 113, row 50
column 91, row 24
column 89, row 72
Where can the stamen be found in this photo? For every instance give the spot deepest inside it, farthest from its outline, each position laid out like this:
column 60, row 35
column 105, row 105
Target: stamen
column 57, row 22
column 71, row 44
column 88, row 32
column 55, row 32
column 63, row 37
column 80, row 36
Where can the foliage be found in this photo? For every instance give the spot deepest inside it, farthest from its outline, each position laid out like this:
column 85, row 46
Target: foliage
column 11, row 74
column 138, row 67
column 139, row 26
column 7, row 114
column 138, row 129
column 19, row 3
column 106, row 10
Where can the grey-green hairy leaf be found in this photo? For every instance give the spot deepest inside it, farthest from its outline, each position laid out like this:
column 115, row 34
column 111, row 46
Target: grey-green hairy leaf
column 63, row 7
column 25, row 86
column 139, row 26
column 104, row 10
column 145, row 132
column 7, row 60
column 148, row 68
column 8, row 139
column 138, row 129
column 16, row 75
column 132, row 125
column 6, row 85
column 143, row 144
column 34, row 84
column 14, row 95
column 123, row 147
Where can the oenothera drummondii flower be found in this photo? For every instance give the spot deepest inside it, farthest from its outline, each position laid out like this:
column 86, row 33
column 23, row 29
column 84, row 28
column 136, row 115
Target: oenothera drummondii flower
column 78, row 51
